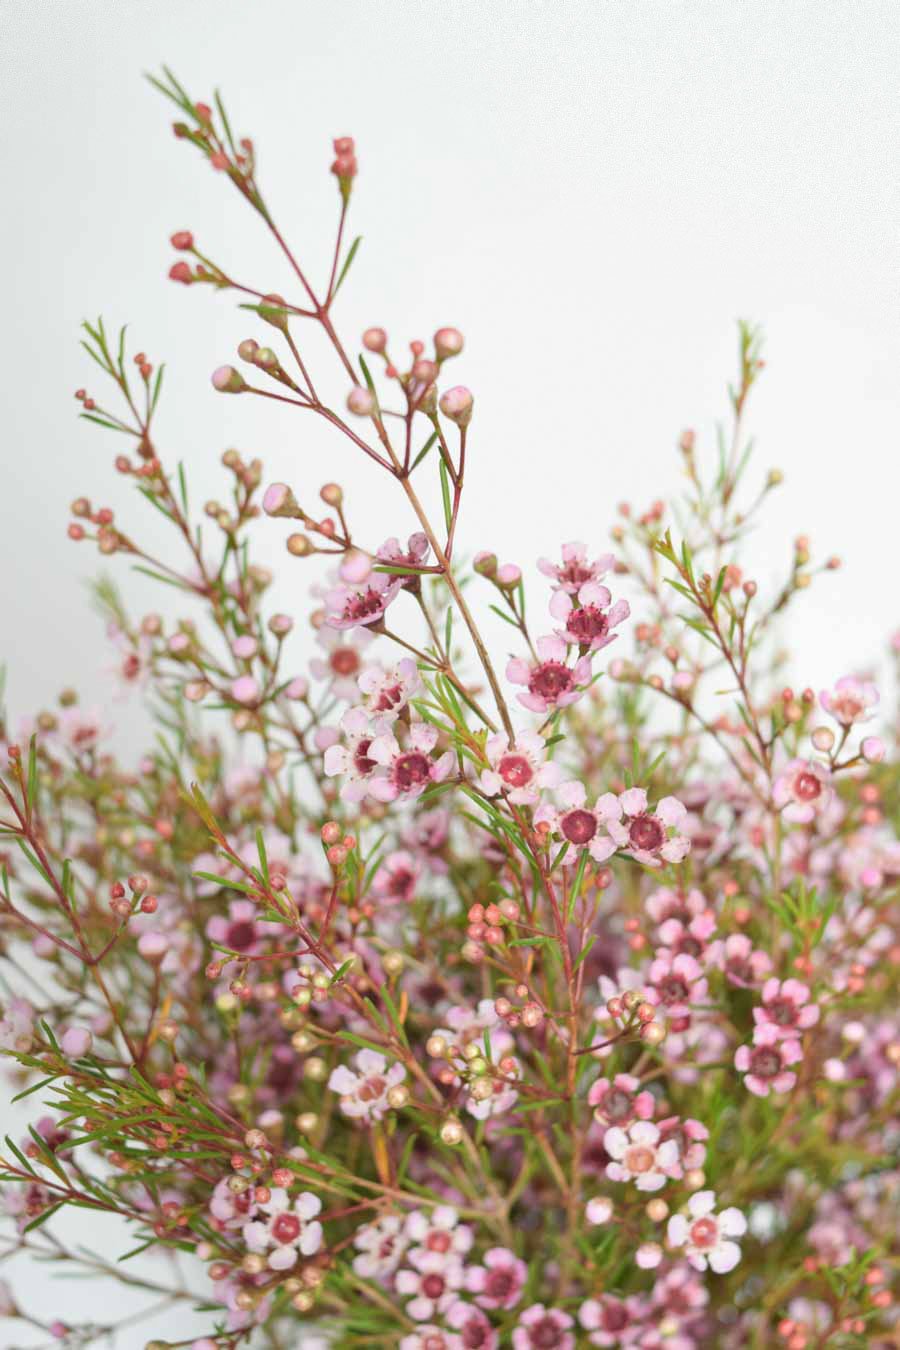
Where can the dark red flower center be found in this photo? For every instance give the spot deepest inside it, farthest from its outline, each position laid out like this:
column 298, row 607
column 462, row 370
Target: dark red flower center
column 616, row 1105
column 515, row 770
column 438, row 1241
column 388, row 698
column 646, row 833
column 344, row 661
column 286, row 1229
column 578, row 826
column 363, row 605
column 704, row 1233
column 614, row 1317
column 433, row 1286
column 587, row 624
column 673, row 989
column 241, row 935
column 807, row 786
column 574, row 573
column 499, row 1282
column 361, row 762
column 782, row 1011
column 550, row 680
column 546, row 1334
column 412, row 770
column 765, row 1062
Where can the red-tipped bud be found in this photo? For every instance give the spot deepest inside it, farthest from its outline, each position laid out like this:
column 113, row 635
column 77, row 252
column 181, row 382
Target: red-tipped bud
column 181, row 271
column 182, row 239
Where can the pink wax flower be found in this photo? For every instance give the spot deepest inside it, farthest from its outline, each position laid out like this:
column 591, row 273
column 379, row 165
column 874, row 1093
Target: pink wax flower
column 364, row 1093
column 575, row 571
column 802, row 790
column 288, row 1229
column 550, row 682
column 786, row 1006
column 540, row 1328
column 706, row 1236
column 519, row 770
column 358, row 604
column 406, row 771
column 646, row 834
column 499, row 1282
column 766, row 1063
column 850, row 701
column 581, row 826
column 588, row 624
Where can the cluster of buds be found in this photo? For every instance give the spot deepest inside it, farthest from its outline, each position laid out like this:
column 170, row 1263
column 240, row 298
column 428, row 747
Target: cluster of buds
column 345, row 166
column 109, row 540
column 485, row 924
column 419, row 379
column 636, row 1015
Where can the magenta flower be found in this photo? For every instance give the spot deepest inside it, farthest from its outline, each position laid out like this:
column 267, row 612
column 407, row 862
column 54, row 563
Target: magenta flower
column 743, row 964
column 580, row 825
column 407, row 771
column 358, row 604
column 240, row 931
column 766, row 1063
column 541, row 1328
column 588, row 624
column 676, row 981
column 520, row 770
column 473, row 1326
column 645, row 834
column 802, row 790
column 786, row 1006
column 575, row 571
column 500, row 1281
column 611, row 1321
column 387, row 690
column 619, row 1100
column 353, row 761
column 550, row 682
column 396, row 880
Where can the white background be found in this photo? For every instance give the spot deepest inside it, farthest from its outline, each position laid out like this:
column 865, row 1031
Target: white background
column 593, row 191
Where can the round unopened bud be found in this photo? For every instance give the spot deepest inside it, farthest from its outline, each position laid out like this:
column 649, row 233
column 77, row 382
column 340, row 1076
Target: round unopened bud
column 823, row 738
column 245, row 689
column 227, row 380
column 398, row 1096
column 76, row 1042
column 457, row 404
column 393, row 962
column 448, row 342
column 306, row 1122
column 332, row 494
column 485, row 564
column 451, row 1132
column 873, row 749
column 436, row 1046
column 653, row 1033
column 375, row 340
column 774, row 477
column 361, row 401
column 657, row 1210
column 247, row 349
column 279, row 500
column 315, row 1069
column 299, row 545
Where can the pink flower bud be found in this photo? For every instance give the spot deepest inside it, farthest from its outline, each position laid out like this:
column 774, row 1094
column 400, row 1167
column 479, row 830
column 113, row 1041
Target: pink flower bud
column 457, row 404
column 361, row 401
column 76, row 1042
column 375, row 340
column 181, row 271
column 873, row 749
column 485, row 563
column 247, row 349
column 228, row 380
column 245, row 689
column 280, row 624
column 508, row 574
column 182, row 239
column 298, row 688
column 279, row 500
column 245, row 647
column 448, row 342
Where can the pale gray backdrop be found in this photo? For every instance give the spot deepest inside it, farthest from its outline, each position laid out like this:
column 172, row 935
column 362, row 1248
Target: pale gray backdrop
column 593, row 191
